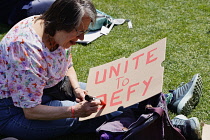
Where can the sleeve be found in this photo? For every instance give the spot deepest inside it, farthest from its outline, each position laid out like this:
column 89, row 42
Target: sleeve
column 27, row 77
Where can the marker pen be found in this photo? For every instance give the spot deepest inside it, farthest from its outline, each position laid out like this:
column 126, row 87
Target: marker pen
column 91, row 98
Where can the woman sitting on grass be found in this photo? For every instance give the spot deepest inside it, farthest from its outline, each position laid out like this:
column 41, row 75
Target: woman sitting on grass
column 35, row 62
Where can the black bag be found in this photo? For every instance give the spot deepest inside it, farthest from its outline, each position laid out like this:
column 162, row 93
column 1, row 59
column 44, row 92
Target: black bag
column 62, row 91
column 150, row 121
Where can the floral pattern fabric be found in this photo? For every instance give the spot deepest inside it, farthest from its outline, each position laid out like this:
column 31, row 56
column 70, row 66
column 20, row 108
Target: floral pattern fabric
column 27, row 66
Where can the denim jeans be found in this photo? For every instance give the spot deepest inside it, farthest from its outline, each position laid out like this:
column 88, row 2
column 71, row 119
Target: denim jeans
column 14, row 124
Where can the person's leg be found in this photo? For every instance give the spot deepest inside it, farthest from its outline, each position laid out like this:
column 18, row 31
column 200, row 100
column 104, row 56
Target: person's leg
column 16, row 125
column 26, row 8
column 183, row 99
column 168, row 97
column 18, row 13
column 190, row 128
column 82, row 85
column 38, row 7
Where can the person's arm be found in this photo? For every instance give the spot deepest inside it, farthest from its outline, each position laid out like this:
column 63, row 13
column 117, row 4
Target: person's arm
column 71, row 73
column 44, row 112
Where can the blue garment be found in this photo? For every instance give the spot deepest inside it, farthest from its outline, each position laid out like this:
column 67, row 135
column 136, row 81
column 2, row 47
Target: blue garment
column 37, row 7
column 14, row 124
column 26, row 8
column 12, row 11
column 6, row 7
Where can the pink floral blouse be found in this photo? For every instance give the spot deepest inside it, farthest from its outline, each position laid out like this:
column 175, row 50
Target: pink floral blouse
column 27, row 66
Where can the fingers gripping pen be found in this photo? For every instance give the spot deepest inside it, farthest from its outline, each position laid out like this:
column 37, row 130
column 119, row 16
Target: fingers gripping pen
column 90, row 98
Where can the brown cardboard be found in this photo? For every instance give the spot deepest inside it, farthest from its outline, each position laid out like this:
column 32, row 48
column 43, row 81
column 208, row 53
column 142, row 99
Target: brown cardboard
column 205, row 132
column 127, row 81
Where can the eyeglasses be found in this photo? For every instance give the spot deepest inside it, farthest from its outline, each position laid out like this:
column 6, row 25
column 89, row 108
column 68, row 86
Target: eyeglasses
column 81, row 32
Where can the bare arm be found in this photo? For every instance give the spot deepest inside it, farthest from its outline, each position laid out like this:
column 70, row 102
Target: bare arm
column 44, row 112
column 80, row 93
column 82, row 109
column 71, row 73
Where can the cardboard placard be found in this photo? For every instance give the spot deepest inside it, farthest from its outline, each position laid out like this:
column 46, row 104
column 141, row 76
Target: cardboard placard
column 127, row 81
column 205, row 132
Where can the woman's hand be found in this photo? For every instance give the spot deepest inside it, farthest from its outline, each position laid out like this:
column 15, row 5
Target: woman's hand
column 80, row 94
column 44, row 112
column 84, row 108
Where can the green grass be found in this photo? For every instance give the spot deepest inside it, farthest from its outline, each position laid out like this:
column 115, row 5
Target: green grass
column 185, row 23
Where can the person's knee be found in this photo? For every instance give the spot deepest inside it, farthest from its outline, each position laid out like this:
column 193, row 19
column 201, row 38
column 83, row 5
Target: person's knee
column 38, row 7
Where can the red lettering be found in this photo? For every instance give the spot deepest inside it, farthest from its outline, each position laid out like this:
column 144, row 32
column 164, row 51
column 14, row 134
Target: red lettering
column 116, row 71
column 149, row 55
column 126, row 67
column 125, row 82
column 118, row 83
column 112, row 103
column 103, row 97
column 147, row 85
column 104, row 77
column 137, row 60
column 131, row 91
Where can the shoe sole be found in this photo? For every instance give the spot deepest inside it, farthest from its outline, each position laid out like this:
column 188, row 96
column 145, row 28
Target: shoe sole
column 194, row 126
column 197, row 134
column 191, row 99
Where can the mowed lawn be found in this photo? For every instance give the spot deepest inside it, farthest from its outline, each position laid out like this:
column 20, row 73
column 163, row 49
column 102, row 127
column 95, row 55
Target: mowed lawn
column 185, row 24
